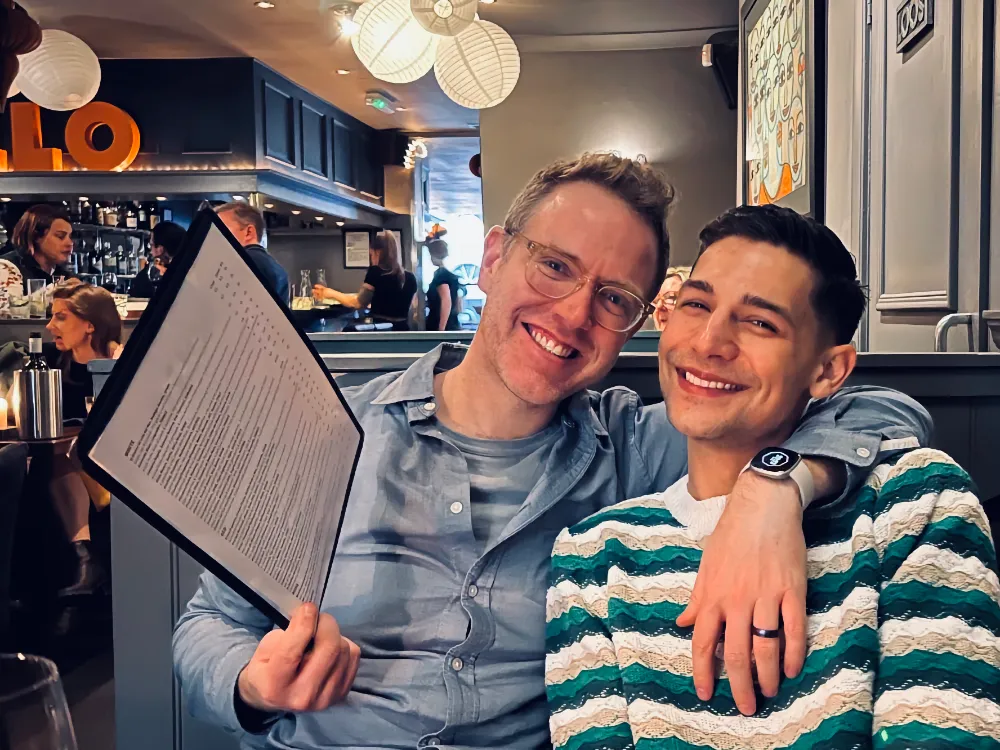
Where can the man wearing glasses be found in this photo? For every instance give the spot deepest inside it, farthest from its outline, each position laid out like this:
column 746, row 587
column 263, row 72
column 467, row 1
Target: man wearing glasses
column 432, row 631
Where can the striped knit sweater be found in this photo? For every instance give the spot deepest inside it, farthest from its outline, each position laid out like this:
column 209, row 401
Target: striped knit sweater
column 903, row 624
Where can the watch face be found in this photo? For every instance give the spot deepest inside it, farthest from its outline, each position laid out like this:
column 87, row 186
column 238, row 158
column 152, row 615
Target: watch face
column 775, row 459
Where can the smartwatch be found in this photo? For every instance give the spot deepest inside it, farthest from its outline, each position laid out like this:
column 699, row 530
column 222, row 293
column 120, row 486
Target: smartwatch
column 781, row 463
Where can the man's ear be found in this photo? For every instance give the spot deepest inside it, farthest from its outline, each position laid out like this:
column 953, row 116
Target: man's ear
column 837, row 364
column 494, row 252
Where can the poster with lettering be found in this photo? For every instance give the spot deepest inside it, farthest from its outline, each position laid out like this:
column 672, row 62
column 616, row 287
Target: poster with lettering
column 777, row 97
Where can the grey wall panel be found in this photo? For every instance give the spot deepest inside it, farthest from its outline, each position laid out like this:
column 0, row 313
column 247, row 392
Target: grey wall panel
column 919, row 247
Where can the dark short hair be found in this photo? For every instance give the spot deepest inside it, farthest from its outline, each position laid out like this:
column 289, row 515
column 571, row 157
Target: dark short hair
column 642, row 187
column 837, row 298
column 170, row 236
column 34, row 224
column 246, row 215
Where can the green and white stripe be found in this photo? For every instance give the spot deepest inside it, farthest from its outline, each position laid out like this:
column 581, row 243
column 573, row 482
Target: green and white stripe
column 903, row 624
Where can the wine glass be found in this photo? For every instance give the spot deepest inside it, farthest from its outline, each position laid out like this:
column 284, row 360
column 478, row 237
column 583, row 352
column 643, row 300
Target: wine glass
column 33, row 710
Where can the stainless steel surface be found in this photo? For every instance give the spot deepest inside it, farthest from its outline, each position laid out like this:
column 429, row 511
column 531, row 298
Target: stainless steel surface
column 991, row 318
column 38, row 404
column 950, row 321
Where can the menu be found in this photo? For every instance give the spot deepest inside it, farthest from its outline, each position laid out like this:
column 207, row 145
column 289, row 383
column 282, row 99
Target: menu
column 222, row 427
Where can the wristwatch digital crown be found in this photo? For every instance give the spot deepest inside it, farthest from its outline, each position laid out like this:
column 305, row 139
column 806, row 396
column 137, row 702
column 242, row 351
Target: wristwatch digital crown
column 781, row 463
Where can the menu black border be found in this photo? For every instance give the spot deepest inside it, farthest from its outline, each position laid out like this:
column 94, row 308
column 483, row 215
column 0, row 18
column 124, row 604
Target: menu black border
column 124, row 372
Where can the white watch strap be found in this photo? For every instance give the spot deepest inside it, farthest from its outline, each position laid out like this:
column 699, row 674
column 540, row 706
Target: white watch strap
column 803, row 479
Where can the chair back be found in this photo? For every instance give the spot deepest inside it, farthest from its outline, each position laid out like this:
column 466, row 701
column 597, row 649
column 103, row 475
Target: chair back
column 13, row 469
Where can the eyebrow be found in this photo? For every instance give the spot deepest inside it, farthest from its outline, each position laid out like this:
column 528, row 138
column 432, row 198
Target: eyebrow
column 620, row 283
column 748, row 299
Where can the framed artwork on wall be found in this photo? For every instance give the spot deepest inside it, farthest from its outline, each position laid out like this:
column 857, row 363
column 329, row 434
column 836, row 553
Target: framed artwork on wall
column 783, row 83
column 356, row 246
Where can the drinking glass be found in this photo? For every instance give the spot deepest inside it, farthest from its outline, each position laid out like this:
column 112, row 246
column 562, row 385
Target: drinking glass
column 36, row 298
column 33, row 710
column 306, row 286
column 18, row 303
column 321, row 280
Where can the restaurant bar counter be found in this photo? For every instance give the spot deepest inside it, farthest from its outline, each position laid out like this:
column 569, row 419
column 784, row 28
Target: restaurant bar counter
column 153, row 579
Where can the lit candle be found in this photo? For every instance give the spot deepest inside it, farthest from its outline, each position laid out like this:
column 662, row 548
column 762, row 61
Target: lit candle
column 3, row 414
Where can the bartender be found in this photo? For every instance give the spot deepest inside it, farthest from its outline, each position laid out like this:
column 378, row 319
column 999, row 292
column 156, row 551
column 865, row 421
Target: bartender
column 43, row 243
column 388, row 288
column 165, row 243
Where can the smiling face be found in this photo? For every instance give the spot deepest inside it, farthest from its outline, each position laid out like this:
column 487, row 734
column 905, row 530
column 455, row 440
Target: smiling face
column 743, row 350
column 69, row 331
column 56, row 245
column 542, row 349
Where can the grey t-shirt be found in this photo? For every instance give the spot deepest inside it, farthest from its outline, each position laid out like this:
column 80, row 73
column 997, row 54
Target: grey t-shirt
column 501, row 474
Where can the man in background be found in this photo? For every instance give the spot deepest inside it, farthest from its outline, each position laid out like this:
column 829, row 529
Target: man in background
column 247, row 225
column 165, row 240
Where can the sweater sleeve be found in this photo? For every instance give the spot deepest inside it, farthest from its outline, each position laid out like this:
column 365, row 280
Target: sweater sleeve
column 587, row 703
column 938, row 680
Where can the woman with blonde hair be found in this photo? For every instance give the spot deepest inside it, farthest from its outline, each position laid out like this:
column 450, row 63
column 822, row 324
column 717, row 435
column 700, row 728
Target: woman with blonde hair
column 388, row 288
column 85, row 326
column 666, row 298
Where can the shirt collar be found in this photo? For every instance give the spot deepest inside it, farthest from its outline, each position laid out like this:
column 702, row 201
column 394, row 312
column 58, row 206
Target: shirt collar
column 416, row 384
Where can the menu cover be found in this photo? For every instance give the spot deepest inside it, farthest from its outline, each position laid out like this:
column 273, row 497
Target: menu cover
column 221, row 427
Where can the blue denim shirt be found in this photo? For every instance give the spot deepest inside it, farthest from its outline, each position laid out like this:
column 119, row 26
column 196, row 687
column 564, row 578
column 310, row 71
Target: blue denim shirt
column 453, row 637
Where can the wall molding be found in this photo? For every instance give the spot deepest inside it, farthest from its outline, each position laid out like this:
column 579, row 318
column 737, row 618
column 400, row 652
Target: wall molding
column 642, row 40
column 939, row 300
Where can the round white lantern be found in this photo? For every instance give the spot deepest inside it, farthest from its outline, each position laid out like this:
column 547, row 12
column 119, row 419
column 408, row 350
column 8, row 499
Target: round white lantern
column 390, row 42
column 444, row 17
column 62, row 74
column 479, row 67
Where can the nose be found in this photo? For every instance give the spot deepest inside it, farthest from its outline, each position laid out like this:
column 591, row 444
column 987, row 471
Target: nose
column 50, row 326
column 576, row 310
column 716, row 338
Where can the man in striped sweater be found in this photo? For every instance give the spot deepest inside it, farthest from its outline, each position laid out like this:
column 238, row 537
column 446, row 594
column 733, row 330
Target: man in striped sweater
column 903, row 599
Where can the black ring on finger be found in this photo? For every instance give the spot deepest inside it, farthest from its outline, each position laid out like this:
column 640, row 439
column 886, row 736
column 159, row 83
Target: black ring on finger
column 762, row 633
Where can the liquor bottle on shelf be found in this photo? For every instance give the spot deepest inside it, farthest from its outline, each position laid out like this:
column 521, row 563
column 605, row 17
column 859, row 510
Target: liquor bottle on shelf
column 131, row 216
column 120, row 215
column 110, row 262
column 121, row 262
column 95, row 262
column 111, row 215
column 74, row 212
column 86, row 212
column 154, row 215
column 133, row 256
column 143, row 216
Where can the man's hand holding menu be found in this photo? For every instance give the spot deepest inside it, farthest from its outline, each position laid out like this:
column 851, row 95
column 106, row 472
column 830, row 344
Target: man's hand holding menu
column 306, row 667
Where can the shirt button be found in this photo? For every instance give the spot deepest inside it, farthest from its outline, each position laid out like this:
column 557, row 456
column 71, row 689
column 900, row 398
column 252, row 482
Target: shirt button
column 430, row 407
column 863, row 452
column 457, row 664
column 473, row 590
column 456, row 507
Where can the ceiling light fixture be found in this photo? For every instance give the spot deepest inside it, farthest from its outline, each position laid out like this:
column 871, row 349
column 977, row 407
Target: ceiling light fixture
column 161, row 197
column 487, row 2
column 402, row 109
column 84, row 198
column 344, row 14
column 296, row 212
column 415, row 149
column 268, row 205
column 264, row 4
column 5, row 200
column 343, row 72
column 391, row 44
column 238, row 198
column 319, row 218
column 340, row 223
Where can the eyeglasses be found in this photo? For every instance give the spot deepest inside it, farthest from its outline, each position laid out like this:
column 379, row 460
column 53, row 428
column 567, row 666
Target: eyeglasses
column 556, row 276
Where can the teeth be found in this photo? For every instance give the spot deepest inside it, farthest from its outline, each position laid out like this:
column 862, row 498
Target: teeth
column 550, row 346
column 709, row 383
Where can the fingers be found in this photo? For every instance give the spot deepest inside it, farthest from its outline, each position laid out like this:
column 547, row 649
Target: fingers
column 737, row 654
column 688, row 617
column 767, row 651
column 318, row 666
column 342, row 677
column 793, row 615
column 707, row 631
column 285, row 649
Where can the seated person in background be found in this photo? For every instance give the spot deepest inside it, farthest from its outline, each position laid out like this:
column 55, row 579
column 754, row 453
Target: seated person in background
column 85, row 325
column 247, row 225
column 666, row 298
column 166, row 240
column 43, row 242
column 443, row 301
column 10, row 280
column 388, row 289
column 903, row 601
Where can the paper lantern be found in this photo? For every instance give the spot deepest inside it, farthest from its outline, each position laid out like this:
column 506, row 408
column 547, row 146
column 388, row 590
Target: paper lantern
column 62, row 74
column 479, row 67
column 444, row 17
column 390, row 42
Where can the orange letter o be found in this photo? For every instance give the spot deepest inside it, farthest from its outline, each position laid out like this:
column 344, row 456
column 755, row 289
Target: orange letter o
column 80, row 132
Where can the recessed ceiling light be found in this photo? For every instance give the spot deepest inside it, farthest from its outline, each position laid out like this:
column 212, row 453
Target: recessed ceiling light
column 319, row 218
column 84, row 198
column 238, row 198
column 5, row 200
column 402, row 109
column 161, row 197
column 268, row 205
column 349, row 27
column 340, row 223
column 265, row 4
column 343, row 72
column 487, row 2
column 296, row 212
